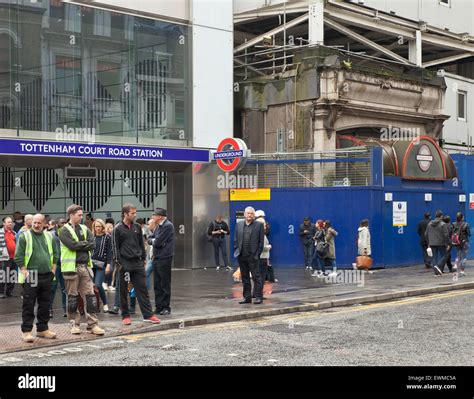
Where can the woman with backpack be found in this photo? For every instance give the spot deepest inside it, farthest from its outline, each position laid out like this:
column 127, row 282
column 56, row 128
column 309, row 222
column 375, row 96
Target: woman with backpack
column 460, row 240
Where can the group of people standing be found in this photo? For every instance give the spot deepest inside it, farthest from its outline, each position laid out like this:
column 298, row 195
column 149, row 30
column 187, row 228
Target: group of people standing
column 70, row 253
column 438, row 238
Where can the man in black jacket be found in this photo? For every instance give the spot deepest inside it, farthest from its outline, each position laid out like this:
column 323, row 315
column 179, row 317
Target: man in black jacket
column 421, row 229
column 163, row 242
column 248, row 246
column 218, row 230
column 129, row 254
column 306, row 233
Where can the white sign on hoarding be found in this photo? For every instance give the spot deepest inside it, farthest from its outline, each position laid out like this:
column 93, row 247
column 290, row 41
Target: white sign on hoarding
column 399, row 214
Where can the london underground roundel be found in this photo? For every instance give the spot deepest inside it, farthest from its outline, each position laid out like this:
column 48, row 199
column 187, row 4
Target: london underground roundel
column 231, row 154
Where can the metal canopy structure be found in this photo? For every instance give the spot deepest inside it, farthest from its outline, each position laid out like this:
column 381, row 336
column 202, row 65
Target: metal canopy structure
column 266, row 37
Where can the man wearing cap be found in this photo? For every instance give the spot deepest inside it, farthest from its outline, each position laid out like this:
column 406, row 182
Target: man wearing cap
column 163, row 241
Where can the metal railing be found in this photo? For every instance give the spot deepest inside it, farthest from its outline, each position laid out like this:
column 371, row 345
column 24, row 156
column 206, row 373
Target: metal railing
column 348, row 167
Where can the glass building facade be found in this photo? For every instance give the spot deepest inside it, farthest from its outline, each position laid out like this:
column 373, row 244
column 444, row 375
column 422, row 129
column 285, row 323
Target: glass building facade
column 69, row 69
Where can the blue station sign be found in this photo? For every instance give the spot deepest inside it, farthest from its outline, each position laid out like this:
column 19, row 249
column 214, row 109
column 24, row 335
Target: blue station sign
column 101, row 151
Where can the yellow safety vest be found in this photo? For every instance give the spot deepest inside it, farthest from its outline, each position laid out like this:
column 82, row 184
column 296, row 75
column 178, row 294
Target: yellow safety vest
column 29, row 251
column 68, row 256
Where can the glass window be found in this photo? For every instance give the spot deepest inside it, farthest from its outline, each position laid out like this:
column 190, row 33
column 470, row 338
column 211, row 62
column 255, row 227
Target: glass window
column 462, row 105
column 126, row 77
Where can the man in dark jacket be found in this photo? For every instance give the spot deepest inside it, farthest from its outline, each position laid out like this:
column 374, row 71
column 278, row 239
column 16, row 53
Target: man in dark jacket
column 421, row 230
column 438, row 240
column 248, row 246
column 306, row 233
column 218, row 230
column 164, row 242
column 129, row 254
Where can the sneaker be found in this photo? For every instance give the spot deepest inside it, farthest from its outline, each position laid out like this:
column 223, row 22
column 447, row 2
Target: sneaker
column 111, row 288
column 96, row 330
column 437, row 271
column 152, row 319
column 76, row 330
column 105, row 286
column 454, row 269
column 462, row 274
column 115, row 310
column 126, row 321
column 27, row 337
column 317, row 274
column 229, row 268
column 106, row 309
column 46, row 334
column 165, row 312
column 217, row 268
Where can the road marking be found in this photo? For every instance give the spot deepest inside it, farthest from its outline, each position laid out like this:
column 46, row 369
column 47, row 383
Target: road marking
column 407, row 301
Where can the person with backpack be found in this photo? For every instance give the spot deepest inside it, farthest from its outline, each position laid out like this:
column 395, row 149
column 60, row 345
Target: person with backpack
column 217, row 232
column 438, row 241
column 306, row 233
column 460, row 240
column 320, row 250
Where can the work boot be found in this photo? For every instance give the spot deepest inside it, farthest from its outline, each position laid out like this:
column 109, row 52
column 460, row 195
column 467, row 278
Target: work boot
column 75, row 330
column 27, row 337
column 46, row 334
column 96, row 330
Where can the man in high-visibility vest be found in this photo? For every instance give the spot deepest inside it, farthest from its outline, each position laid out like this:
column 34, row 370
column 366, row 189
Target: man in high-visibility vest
column 36, row 256
column 77, row 243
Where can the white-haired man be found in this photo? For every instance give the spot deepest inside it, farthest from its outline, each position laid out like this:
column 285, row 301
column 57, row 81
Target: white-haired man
column 248, row 246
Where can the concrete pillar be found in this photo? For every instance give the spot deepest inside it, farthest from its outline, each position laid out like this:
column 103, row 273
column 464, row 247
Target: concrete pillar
column 414, row 49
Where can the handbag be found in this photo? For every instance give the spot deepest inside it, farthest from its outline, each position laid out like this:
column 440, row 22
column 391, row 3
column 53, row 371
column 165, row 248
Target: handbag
column 364, row 262
column 98, row 264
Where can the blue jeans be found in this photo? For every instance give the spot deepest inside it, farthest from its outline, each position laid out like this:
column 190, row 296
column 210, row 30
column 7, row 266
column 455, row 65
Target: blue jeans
column 219, row 242
column 308, row 249
column 319, row 262
column 99, row 277
column 54, row 285
column 148, row 271
column 108, row 277
column 439, row 253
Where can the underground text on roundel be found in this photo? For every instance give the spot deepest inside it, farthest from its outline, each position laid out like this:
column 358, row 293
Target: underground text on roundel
column 28, row 381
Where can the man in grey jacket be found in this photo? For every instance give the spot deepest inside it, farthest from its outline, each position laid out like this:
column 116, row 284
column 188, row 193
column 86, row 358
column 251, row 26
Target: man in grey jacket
column 438, row 240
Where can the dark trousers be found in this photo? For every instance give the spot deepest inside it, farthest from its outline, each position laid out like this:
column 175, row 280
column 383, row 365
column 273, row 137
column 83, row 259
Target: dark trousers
column 7, row 267
column 136, row 276
column 308, row 249
column 219, row 242
column 249, row 265
column 427, row 259
column 262, row 267
column 447, row 261
column 162, row 283
column 41, row 293
column 54, row 286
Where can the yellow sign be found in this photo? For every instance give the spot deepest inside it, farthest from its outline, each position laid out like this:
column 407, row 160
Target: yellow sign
column 250, row 194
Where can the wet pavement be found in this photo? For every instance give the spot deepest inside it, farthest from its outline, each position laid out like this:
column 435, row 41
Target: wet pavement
column 210, row 296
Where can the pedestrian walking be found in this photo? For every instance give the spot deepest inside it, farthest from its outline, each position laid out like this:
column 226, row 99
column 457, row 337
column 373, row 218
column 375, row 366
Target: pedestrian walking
column 59, row 276
column 421, row 230
column 36, row 256
column 330, row 258
column 460, row 240
column 447, row 258
column 77, row 244
column 130, row 257
column 248, row 246
column 320, row 249
column 164, row 242
column 438, row 241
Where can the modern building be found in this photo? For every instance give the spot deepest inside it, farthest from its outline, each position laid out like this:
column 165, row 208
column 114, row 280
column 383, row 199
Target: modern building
column 124, row 87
